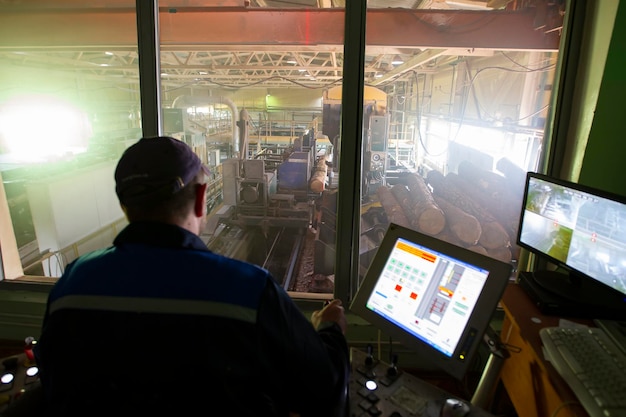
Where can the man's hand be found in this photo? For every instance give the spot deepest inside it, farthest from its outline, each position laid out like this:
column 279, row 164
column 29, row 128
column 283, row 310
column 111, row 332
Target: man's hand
column 332, row 312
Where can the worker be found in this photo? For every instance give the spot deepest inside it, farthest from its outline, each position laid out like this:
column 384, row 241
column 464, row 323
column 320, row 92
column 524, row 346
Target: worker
column 157, row 324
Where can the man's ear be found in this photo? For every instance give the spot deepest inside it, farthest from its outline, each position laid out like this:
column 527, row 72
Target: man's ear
column 200, row 203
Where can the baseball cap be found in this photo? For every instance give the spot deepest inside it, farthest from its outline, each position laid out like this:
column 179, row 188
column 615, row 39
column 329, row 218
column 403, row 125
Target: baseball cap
column 154, row 169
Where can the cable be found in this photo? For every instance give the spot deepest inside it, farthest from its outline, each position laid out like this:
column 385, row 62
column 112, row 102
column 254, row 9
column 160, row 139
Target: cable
column 521, row 65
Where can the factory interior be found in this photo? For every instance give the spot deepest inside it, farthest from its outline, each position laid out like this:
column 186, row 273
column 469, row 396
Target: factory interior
column 322, row 122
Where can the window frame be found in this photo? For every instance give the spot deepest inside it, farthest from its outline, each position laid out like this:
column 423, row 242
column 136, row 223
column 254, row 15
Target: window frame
column 347, row 238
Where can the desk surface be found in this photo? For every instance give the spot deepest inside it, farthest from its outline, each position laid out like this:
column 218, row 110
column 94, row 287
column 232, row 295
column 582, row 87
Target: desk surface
column 527, row 320
column 402, row 395
column 527, row 316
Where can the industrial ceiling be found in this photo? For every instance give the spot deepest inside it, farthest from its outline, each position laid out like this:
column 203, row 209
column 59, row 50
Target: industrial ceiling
column 268, row 44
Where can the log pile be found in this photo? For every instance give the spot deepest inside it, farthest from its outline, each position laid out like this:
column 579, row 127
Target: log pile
column 503, row 195
column 475, row 209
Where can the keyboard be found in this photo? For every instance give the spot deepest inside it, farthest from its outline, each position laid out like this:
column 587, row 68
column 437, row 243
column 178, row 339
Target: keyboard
column 615, row 329
column 593, row 366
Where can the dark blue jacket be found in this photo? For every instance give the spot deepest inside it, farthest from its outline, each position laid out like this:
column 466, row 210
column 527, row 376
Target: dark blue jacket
column 159, row 325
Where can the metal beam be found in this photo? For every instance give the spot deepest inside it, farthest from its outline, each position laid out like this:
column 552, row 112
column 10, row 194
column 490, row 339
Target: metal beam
column 149, row 67
column 414, row 62
column 93, row 27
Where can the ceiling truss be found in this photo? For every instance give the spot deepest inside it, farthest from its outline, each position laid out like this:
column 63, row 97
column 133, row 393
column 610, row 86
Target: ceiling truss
column 234, row 47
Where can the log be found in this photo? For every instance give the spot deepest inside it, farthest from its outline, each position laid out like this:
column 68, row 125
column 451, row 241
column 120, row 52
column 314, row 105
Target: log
column 487, row 180
column 431, row 219
column 515, row 174
column 493, row 234
column 499, row 194
column 402, row 196
column 393, row 209
column 479, row 249
column 443, row 187
column 463, row 225
column 318, row 179
column 501, row 203
column 447, row 236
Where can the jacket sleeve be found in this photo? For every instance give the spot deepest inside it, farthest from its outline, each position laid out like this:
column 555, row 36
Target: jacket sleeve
column 315, row 363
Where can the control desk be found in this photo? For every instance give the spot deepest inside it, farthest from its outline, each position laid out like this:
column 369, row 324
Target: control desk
column 18, row 375
column 381, row 389
column 375, row 389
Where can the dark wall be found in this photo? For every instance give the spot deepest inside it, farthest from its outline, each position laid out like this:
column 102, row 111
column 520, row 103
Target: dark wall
column 604, row 163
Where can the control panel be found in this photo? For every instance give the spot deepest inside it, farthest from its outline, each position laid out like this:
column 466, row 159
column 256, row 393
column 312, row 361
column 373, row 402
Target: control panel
column 376, row 388
column 18, row 374
column 382, row 389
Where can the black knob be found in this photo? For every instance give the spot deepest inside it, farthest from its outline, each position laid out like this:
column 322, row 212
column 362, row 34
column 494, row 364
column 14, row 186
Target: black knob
column 369, row 359
column 393, row 368
column 394, row 360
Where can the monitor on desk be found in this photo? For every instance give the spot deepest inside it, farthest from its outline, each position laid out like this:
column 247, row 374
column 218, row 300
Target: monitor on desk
column 581, row 232
column 434, row 297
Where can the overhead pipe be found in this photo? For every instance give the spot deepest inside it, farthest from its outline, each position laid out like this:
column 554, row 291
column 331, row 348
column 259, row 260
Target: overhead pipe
column 244, row 117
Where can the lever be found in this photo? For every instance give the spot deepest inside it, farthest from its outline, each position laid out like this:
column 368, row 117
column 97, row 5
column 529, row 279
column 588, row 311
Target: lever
column 392, row 371
column 369, row 359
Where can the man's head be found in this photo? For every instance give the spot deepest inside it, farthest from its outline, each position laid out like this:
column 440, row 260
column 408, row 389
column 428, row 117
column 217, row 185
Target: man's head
column 158, row 179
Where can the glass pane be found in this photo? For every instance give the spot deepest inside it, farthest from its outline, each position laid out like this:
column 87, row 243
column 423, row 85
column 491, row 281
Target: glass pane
column 248, row 89
column 456, row 101
column 69, row 105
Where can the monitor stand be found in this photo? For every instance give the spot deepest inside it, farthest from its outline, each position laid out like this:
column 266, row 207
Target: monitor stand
column 558, row 294
column 483, row 396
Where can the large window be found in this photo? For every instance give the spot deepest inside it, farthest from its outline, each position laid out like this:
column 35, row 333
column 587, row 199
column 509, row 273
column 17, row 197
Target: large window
column 456, row 103
column 448, row 96
column 250, row 97
column 69, row 105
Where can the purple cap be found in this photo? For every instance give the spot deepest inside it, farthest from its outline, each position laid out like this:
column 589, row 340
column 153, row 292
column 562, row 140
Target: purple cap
column 154, row 169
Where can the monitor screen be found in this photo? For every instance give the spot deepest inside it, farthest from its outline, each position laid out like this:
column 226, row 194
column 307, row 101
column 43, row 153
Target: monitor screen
column 580, row 229
column 435, row 297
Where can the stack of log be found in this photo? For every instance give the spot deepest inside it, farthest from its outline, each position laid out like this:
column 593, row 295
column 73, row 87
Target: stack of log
column 475, row 208
column 501, row 194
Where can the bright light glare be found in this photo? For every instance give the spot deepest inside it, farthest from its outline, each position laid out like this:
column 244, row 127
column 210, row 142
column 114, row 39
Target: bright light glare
column 603, row 257
column 40, row 128
column 201, row 110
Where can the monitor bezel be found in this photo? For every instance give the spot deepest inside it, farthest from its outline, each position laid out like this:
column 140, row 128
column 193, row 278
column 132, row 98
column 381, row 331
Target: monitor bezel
column 573, row 275
column 461, row 360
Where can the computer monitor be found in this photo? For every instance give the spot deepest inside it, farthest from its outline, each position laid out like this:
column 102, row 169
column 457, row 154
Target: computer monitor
column 581, row 231
column 435, row 297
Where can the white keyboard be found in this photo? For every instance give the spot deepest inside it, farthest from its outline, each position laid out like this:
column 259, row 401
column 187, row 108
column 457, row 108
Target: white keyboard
column 592, row 365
